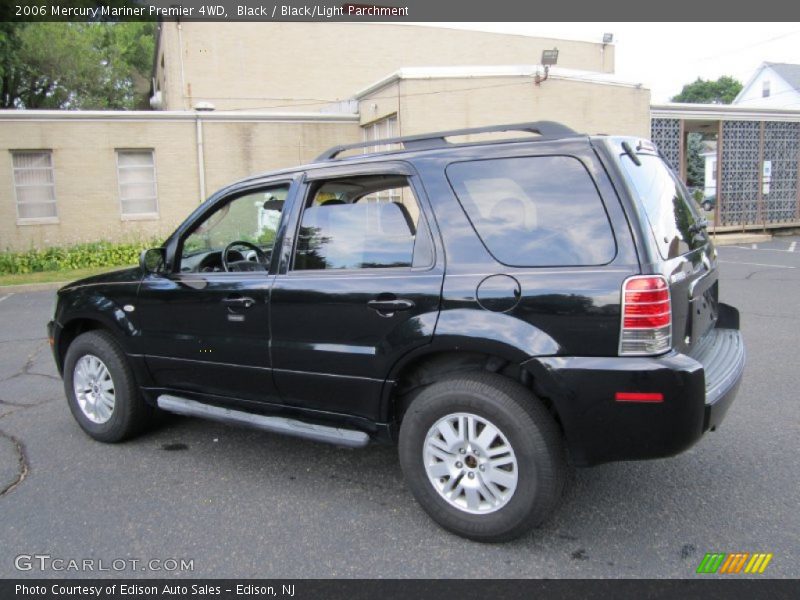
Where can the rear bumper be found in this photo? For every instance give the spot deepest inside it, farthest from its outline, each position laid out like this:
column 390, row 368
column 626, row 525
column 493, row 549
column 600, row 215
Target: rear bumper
column 723, row 358
column 697, row 390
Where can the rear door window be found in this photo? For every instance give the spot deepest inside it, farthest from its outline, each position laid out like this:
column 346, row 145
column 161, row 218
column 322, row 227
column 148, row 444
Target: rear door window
column 362, row 222
column 535, row 211
column 669, row 213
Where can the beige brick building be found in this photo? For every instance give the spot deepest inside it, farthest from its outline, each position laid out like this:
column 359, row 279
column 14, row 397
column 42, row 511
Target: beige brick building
column 278, row 65
column 281, row 94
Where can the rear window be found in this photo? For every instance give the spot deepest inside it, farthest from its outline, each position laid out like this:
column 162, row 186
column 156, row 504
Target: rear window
column 665, row 204
column 535, row 211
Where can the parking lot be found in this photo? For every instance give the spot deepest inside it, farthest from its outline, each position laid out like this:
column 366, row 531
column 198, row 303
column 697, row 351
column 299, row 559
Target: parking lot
column 242, row 503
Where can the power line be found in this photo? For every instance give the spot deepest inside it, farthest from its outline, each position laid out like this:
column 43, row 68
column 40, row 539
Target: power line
column 748, row 46
column 392, row 96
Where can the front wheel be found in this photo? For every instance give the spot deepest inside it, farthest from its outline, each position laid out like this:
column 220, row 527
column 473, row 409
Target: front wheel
column 482, row 456
column 101, row 390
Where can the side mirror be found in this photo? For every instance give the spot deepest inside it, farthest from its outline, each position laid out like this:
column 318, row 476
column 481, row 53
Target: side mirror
column 153, row 260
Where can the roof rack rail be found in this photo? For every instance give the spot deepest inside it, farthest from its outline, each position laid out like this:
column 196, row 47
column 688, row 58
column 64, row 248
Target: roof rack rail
column 427, row 141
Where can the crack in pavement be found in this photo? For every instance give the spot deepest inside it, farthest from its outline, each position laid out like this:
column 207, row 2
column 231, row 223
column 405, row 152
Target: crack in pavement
column 23, row 464
column 26, row 368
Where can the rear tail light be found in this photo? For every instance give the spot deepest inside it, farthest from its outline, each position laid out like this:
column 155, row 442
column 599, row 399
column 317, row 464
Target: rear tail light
column 646, row 316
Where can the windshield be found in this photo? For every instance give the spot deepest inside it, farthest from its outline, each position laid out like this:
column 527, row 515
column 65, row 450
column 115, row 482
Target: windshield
column 671, row 216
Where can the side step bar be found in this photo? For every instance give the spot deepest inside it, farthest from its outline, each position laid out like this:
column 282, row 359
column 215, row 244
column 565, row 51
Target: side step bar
column 284, row 425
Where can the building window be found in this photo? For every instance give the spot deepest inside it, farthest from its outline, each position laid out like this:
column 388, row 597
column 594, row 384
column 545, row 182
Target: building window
column 136, row 172
column 34, row 184
column 380, row 130
column 765, row 89
column 713, row 170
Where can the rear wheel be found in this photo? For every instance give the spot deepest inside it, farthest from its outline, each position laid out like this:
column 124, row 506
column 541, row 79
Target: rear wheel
column 100, row 388
column 482, row 456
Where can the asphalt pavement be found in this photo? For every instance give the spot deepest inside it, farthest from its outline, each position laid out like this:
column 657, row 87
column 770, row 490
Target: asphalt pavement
column 242, row 503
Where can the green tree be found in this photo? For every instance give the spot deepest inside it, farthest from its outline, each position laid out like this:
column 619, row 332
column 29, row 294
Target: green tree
column 75, row 65
column 695, row 164
column 701, row 91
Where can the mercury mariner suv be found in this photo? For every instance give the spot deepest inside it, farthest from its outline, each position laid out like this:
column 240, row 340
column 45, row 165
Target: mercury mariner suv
column 503, row 309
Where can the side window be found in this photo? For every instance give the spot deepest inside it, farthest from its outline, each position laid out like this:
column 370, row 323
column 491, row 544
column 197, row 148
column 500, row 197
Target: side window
column 136, row 175
column 536, row 211
column 34, row 184
column 368, row 222
column 251, row 218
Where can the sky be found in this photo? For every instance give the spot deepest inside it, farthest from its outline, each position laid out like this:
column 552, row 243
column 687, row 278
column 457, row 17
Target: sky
column 665, row 56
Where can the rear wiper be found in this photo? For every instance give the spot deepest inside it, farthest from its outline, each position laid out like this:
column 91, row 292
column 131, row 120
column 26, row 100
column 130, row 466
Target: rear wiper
column 631, row 154
column 699, row 225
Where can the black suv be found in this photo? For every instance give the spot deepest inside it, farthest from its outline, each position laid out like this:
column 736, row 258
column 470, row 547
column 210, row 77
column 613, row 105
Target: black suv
column 503, row 309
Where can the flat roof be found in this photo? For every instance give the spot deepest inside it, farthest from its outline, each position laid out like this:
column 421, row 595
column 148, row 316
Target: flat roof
column 474, row 72
column 727, row 112
column 176, row 115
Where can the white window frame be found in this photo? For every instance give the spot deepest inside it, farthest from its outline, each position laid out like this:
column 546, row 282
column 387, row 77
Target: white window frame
column 385, row 127
column 34, row 220
column 148, row 216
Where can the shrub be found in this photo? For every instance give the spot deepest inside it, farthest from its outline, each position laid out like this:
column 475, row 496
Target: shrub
column 79, row 256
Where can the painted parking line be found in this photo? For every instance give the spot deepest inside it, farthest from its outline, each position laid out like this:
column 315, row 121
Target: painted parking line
column 792, row 246
column 6, row 297
column 736, row 262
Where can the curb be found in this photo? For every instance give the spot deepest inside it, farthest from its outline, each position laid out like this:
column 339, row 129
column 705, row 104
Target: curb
column 733, row 239
column 32, row 287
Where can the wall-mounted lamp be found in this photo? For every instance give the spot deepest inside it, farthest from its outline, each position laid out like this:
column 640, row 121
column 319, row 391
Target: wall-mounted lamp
column 549, row 57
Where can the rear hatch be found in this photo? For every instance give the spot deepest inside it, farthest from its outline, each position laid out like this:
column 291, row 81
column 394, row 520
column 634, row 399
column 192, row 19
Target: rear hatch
column 678, row 245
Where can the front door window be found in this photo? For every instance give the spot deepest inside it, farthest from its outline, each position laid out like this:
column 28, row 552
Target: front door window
column 238, row 236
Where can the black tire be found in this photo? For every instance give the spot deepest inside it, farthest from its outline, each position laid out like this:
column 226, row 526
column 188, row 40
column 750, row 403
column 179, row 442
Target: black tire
column 707, row 206
column 130, row 413
column 530, row 430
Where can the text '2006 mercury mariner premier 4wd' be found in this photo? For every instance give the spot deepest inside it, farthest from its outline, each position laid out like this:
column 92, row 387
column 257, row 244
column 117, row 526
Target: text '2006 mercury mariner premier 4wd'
column 503, row 309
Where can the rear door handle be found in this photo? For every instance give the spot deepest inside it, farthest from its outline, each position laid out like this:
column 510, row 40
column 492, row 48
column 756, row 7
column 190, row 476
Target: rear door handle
column 389, row 307
column 238, row 301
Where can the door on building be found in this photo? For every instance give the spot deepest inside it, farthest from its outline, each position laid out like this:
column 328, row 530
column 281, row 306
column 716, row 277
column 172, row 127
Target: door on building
column 359, row 287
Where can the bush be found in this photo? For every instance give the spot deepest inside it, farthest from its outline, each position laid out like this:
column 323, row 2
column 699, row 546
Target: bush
column 80, row 256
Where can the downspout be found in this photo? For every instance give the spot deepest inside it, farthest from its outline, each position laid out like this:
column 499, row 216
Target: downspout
column 183, row 72
column 201, row 164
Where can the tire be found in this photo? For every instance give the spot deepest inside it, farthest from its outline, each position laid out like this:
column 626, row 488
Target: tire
column 503, row 512
column 707, row 206
column 89, row 401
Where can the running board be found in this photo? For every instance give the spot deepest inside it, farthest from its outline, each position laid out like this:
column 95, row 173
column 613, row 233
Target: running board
column 284, row 425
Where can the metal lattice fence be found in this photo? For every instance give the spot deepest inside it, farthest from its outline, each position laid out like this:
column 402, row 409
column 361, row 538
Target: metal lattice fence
column 781, row 148
column 739, row 162
column 666, row 134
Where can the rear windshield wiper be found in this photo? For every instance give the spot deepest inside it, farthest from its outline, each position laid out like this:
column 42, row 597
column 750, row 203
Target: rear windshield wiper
column 631, row 154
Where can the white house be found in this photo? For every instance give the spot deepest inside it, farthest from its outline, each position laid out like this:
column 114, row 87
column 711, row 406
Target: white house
column 773, row 85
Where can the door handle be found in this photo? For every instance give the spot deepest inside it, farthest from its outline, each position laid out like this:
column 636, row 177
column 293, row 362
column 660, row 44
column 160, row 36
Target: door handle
column 238, row 301
column 389, row 307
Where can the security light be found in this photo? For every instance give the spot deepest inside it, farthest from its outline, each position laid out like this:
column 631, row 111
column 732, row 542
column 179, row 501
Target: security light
column 549, row 57
column 608, row 38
